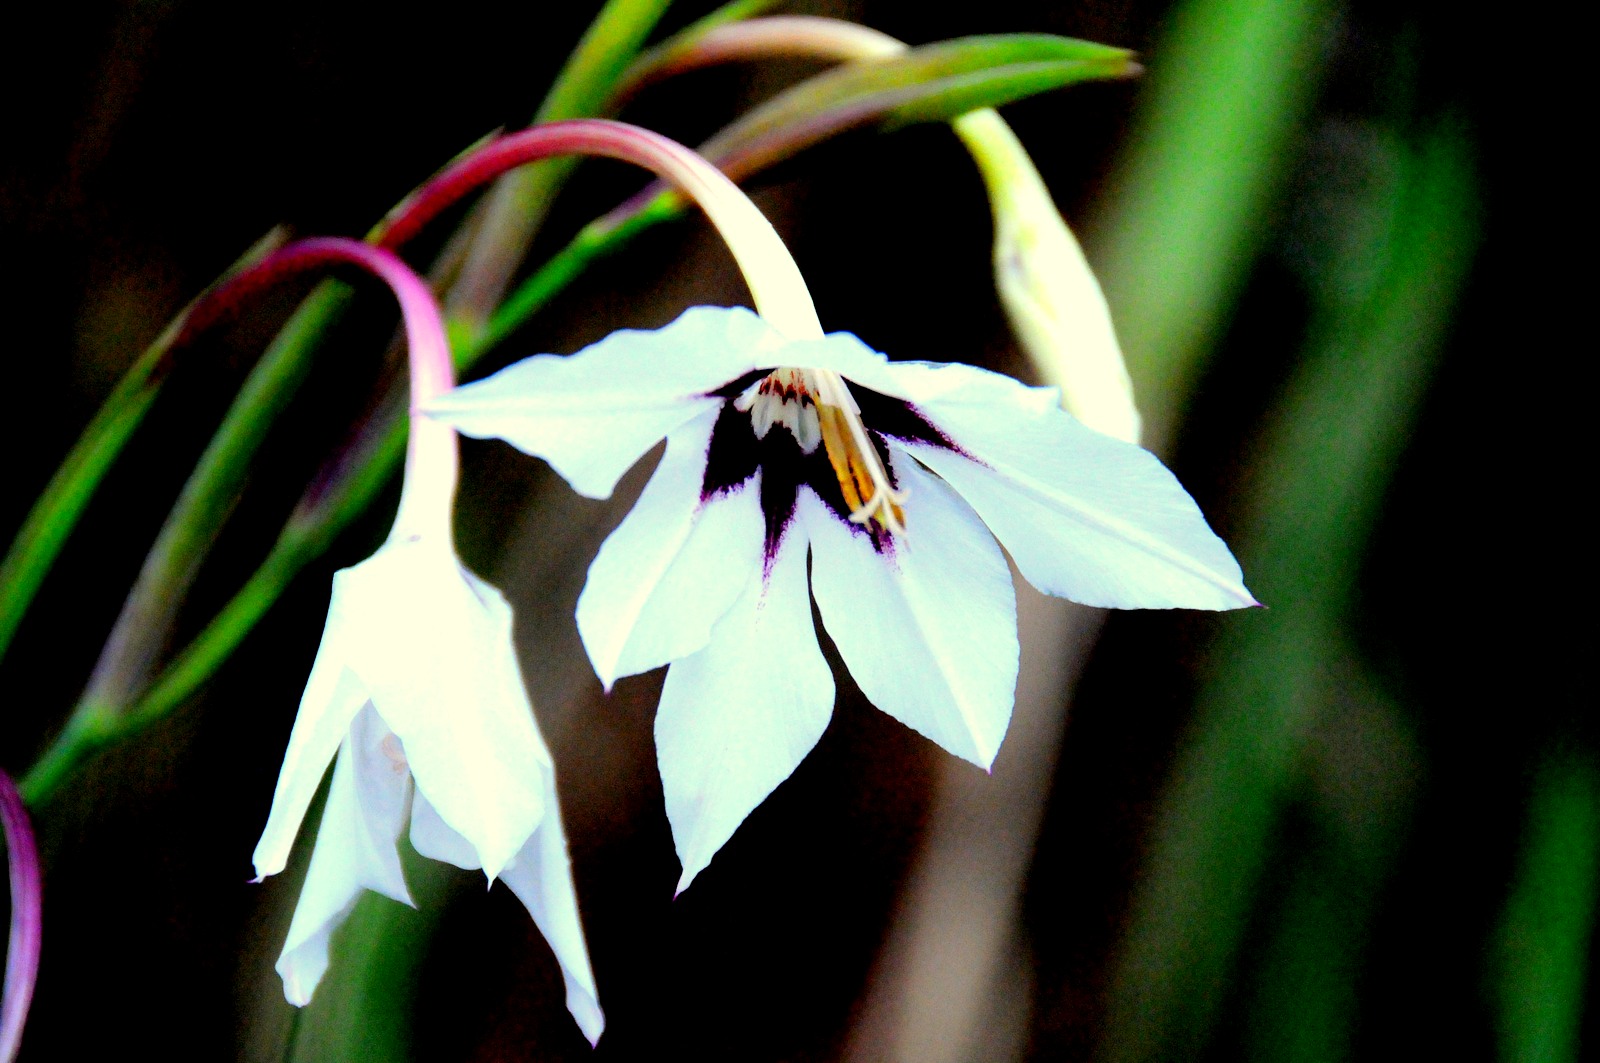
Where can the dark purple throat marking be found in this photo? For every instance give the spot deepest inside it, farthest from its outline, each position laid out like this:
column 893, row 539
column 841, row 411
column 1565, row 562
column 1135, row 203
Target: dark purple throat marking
column 735, row 454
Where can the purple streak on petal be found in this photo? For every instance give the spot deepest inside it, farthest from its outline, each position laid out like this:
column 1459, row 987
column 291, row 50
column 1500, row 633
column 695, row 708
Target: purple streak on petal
column 899, row 419
column 731, row 456
column 22, row 951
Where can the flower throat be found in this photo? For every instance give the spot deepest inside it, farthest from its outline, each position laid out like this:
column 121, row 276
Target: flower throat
column 816, row 406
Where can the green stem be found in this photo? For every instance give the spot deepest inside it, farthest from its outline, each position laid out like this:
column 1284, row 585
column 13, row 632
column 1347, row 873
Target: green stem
column 1549, row 921
column 515, row 207
column 56, row 513
column 208, row 496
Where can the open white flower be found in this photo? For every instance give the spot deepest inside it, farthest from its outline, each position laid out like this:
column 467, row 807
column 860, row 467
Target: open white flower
column 887, row 473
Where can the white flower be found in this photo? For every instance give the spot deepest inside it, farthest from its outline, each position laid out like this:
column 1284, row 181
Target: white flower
column 416, row 686
column 886, row 473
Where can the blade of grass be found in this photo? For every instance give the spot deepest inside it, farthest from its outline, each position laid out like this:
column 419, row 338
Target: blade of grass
column 1324, row 466
column 1542, row 959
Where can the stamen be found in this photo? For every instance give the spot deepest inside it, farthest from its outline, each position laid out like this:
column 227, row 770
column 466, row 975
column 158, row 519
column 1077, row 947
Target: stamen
column 816, row 406
column 862, row 476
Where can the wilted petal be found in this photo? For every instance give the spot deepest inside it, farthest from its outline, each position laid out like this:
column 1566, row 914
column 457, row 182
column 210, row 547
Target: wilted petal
column 591, row 415
column 541, row 877
column 434, row 648
column 737, row 717
column 355, row 850
column 332, row 697
column 928, row 628
column 1084, row 516
column 673, row 566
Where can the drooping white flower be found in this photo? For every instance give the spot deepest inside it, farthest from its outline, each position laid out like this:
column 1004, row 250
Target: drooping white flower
column 416, row 696
column 416, row 688
column 892, row 477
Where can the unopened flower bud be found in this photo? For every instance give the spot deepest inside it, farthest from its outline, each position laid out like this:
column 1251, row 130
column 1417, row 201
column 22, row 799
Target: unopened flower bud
column 1055, row 305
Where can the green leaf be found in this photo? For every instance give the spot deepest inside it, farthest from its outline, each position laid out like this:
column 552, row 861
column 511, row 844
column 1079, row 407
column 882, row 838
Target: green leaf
column 1541, row 955
column 935, row 82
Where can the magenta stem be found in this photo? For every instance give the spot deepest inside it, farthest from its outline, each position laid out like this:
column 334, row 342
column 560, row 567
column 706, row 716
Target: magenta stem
column 431, row 369
column 775, row 283
column 582, row 136
column 22, row 949
column 431, row 462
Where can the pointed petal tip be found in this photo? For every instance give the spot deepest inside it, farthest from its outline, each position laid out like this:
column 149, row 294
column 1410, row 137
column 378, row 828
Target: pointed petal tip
column 265, row 869
column 295, row 993
column 1246, row 600
column 591, row 1022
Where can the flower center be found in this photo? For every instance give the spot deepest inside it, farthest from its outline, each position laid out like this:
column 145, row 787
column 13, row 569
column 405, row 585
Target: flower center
column 816, row 406
column 783, row 397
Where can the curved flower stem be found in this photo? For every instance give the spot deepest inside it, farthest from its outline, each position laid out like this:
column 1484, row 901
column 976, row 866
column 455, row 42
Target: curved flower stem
column 1057, row 311
column 514, row 209
column 583, row 85
column 129, row 659
column 779, row 291
column 22, row 948
column 346, row 490
column 366, row 467
column 430, row 473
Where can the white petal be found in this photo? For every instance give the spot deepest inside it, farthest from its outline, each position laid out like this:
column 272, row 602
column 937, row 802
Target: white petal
column 434, row 649
column 737, row 717
column 593, row 414
column 437, row 840
column 355, row 850
column 1084, row 516
column 673, row 567
column 332, row 696
column 541, row 876
column 929, row 628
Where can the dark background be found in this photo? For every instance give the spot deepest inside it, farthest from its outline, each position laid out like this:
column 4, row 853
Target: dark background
column 148, row 143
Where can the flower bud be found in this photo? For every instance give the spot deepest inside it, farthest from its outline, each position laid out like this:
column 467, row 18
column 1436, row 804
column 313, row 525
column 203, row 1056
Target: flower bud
column 1053, row 301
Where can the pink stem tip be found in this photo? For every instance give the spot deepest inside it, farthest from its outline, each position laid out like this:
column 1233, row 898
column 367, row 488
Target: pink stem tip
column 22, row 950
column 431, row 463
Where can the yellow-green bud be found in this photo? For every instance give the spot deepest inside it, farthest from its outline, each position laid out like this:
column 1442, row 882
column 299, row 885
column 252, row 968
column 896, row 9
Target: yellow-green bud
column 1055, row 305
